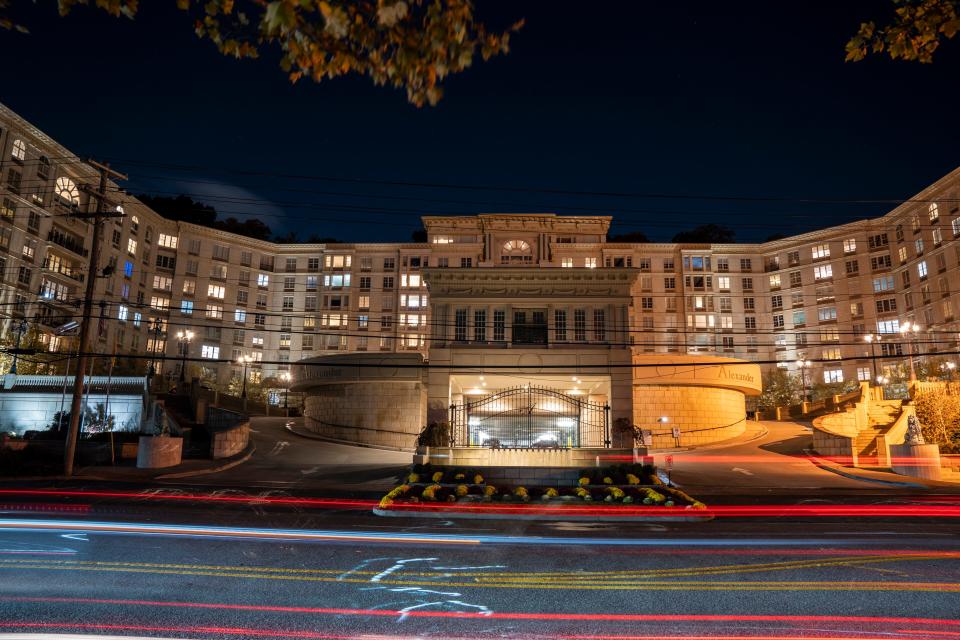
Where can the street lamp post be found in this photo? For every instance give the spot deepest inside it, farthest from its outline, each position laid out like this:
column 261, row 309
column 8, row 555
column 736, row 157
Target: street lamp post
column 245, row 361
column 184, row 337
column 949, row 367
column 803, row 365
column 285, row 376
column 872, row 339
column 156, row 330
column 909, row 330
column 21, row 328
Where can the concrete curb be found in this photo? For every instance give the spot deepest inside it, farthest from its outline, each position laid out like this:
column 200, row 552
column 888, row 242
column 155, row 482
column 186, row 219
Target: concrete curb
column 349, row 443
column 201, row 472
column 847, row 473
column 566, row 517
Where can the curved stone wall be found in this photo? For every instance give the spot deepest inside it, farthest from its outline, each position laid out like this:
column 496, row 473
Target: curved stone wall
column 371, row 399
column 702, row 396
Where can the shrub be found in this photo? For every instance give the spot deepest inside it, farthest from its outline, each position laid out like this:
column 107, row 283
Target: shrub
column 939, row 416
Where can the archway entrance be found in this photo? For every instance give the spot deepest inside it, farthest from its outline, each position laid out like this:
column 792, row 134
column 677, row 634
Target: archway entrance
column 530, row 417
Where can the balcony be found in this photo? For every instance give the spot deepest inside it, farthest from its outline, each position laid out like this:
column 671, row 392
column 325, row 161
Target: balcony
column 69, row 243
column 532, row 334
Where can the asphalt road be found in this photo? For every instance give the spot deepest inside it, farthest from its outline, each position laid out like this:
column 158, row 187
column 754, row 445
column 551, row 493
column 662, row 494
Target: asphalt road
column 340, row 575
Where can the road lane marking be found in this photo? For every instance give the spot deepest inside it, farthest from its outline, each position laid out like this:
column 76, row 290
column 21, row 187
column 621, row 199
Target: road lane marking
column 442, row 572
column 800, row 585
column 743, row 471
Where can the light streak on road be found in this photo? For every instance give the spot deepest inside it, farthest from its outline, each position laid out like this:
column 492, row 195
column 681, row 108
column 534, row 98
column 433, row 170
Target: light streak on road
column 932, row 507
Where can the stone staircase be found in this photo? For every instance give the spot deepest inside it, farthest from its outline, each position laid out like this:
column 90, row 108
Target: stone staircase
column 880, row 417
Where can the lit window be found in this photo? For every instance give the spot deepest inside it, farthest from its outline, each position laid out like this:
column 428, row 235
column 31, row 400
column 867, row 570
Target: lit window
column 442, row 239
column 933, row 211
column 833, row 375
column 216, row 291
column 723, row 283
column 410, row 280
column 590, row 263
column 850, row 245
column 19, row 151
column 132, row 246
column 922, row 269
column 566, row 262
column 888, row 326
column 775, row 281
column 186, row 307
column 137, row 317
column 239, row 315
column 823, row 272
column 67, row 190
column 159, row 303
column 263, row 280
column 820, row 251
column 209, row 352
column 215, row 312
column 122, row 312
column 170, row 242
column 337, row 280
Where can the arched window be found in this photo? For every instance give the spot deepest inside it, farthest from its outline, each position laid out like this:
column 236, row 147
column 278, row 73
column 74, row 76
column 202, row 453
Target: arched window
column 516, row 246
column 67, row 190
column 19, row 151
column 43, row 168
column 516, row 251
column 134, row 222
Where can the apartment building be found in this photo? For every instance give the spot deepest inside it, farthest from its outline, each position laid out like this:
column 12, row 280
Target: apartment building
column 812, row 297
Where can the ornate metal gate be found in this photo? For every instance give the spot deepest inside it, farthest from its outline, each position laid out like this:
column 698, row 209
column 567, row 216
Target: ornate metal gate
column 530, row 417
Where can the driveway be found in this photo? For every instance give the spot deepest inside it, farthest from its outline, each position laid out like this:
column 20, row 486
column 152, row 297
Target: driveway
column 286, row 460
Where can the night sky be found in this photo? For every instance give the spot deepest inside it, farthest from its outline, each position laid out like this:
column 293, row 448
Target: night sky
column 717, row 106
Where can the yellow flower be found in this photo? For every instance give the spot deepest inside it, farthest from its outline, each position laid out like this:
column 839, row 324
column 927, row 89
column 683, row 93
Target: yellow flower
column 462, row 490
column 413, row 477
column 489, row 490
column 607, row 480
column 430, row 492
column 459, row 476
column 632, row 479
column 582, row 493
column 584, row 481
column 520, row 491
column 478, row 479
column 438, row 476
column 616, row 492
column 551, row 493
column 385, row 502
column 698, row 505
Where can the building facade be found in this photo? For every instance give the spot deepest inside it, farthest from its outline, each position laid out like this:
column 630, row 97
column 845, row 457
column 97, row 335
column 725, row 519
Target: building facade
column 478, row 285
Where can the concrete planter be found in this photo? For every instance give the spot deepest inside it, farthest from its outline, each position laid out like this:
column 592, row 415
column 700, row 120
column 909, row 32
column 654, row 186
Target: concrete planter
column 916, row 460
column 157, row 452
column 128, row 450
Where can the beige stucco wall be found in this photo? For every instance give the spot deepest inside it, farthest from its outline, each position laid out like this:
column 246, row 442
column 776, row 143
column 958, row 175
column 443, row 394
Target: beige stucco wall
column 696, row 411
column 389, row 414
column 703, row 396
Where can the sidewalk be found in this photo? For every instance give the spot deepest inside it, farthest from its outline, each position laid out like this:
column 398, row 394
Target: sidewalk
column 753, row 431
column 878, row 477
column 126, row 473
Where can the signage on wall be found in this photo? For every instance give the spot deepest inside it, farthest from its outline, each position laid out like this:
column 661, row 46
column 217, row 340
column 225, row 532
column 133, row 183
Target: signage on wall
column 646, row 437
column 676, row 432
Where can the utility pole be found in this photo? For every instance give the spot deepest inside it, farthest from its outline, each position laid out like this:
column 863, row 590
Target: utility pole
column 86, row 319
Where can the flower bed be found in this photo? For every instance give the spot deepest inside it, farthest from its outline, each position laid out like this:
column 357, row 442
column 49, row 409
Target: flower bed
column 636, row 485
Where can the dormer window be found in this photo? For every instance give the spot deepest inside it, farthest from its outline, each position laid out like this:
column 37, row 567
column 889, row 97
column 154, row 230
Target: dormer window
column 67, row 190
